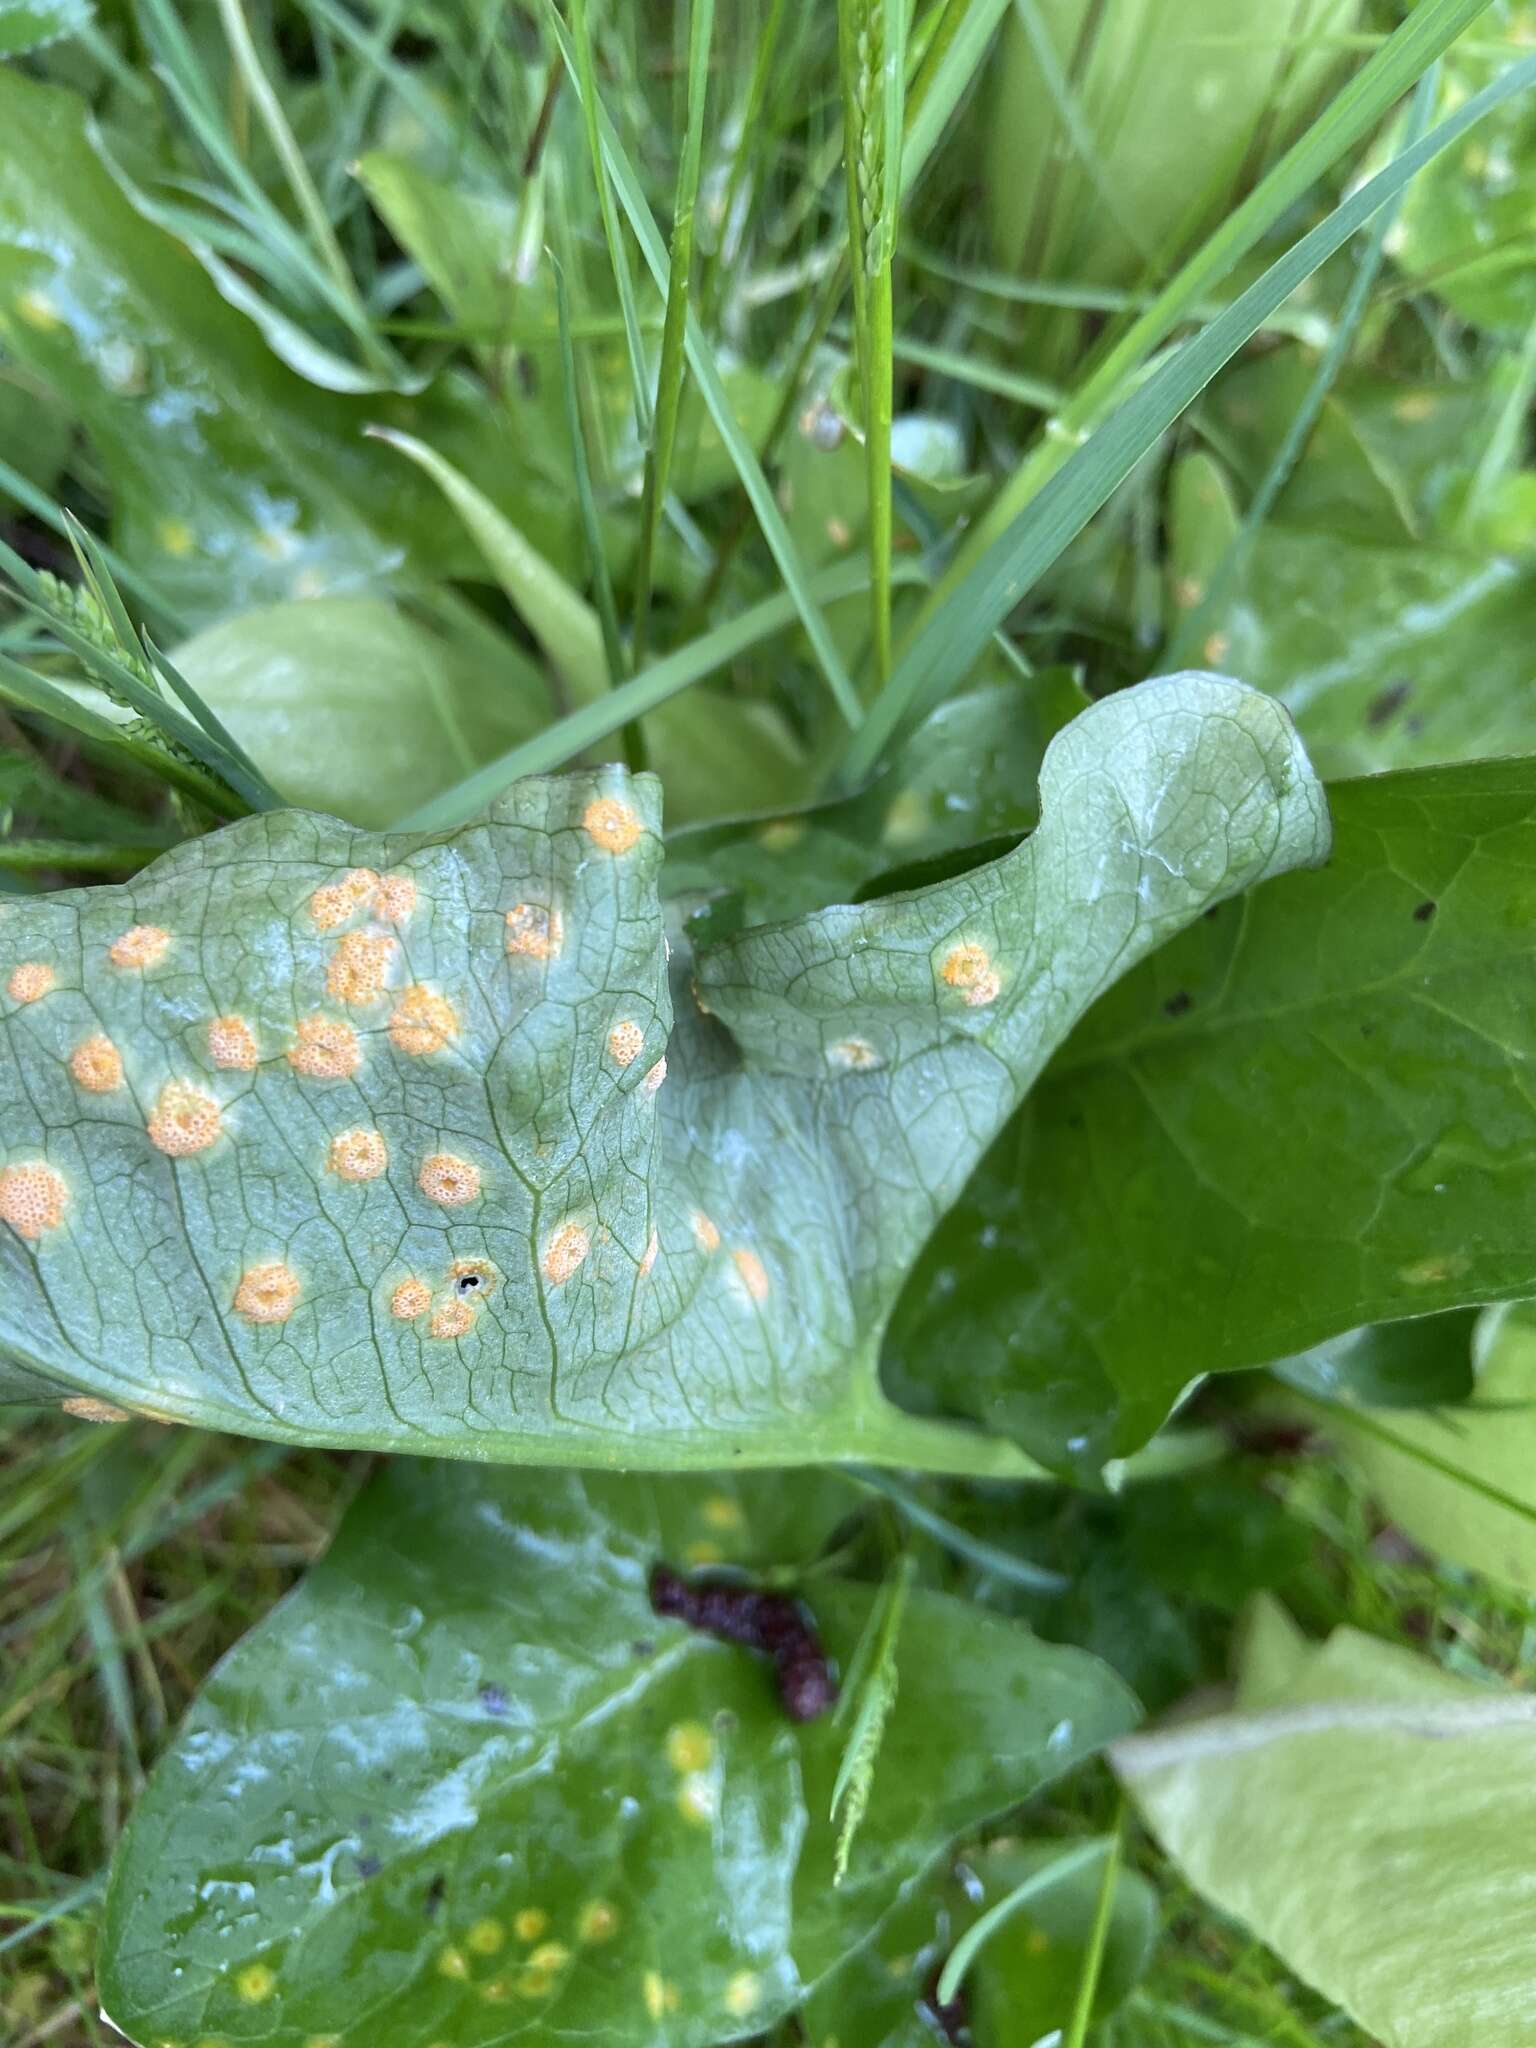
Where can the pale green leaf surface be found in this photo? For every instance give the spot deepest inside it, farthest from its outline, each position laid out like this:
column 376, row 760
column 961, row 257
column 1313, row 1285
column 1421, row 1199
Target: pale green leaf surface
column 1489, row 1443
column 680, row 1274
column 1163, row 1209
column 1369, row 1816
column 469, row 1713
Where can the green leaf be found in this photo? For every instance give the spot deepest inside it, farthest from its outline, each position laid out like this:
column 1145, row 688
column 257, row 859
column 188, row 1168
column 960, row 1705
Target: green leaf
column 465, row 1065
column 465, row 1775
column 1164, row 1164
column 354, row 709
column 235, row 482
column 1370, row 1818
column 29, row 24
column 1458, row 1480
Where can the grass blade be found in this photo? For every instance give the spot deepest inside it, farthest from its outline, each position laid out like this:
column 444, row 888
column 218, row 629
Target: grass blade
column 582, row 729
column 669, row 382
column 1400, row 62
column 980, row 1932
column 583, row 71
column 949, row 641
column 712, row 389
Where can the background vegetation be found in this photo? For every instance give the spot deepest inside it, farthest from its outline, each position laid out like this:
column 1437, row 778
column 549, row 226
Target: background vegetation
column 338, row 362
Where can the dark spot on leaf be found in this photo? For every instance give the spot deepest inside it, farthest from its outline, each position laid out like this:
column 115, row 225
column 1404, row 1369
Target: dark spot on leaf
column 437, row 1891
column 469, row 1283
column 1425, row 910
column 1214, row 911
column 774, row 1624
column 642, row 1646
column 1386, row 703
column 494, row 1699
column 368, row 1866
column 1176, row 1005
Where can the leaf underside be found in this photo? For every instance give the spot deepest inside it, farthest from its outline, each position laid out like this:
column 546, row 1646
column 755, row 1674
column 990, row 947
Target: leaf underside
column 665, row 1275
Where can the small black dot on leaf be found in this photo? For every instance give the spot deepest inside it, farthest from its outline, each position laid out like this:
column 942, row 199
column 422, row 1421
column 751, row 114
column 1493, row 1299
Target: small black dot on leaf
column 494, row 1699
column 1176, row 1005
column 1424, row 911
column 1387, row 702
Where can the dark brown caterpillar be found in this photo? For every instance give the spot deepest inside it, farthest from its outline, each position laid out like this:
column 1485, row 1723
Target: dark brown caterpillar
column 777, row 1626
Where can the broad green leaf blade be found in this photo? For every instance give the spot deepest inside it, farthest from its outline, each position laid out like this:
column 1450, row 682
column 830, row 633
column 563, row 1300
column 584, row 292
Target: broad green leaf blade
column 466, row 1777
column 1370, row 1817
column 1458, row 1480
column 277, row 1091
column 1307, row 1115
column 30, row 24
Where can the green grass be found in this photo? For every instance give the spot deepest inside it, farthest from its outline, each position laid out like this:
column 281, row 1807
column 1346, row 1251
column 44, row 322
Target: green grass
column 721, row 275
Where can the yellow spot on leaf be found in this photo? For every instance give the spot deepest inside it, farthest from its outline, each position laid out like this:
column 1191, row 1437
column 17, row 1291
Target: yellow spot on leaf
column 611, row 825
column 33, row 1199
column 565, row 1252
column 30, row 981
column 453, row 1963
column 624, row 1043
column 395, row 899
column 781, row 835
column 743, row 1994
column 486, row 1937
column 907, row 818
column 705, row 1235
column 690, row 1746
column 721, row 1512
column 410, row 1299
column 86, row 1409
column 358, row 967
column 141, row 946
column 703, row 1553
column 698, row 1798
column 653, row 1077
column 965, row 965
column 97, row 1065
column 530, row 1923
column 358, row 1155
column 1216, row 648
column 533, row 931
column 853, row 1055
column 325, row 1049
column 423, row 1022
column 453, row 1319
column 597, row 1921
column 267, row 1294
column 39, row 311
column 660, row 1996
column 754, row 1274
column 334, row 902
column 1434, row 1270
column 534, row 1983
column 232, row 1044
column 648, row 1256
column 176, row 537
column 550, row 1955
column 256, row 1983
column 184, row 1121
column 446, row 1178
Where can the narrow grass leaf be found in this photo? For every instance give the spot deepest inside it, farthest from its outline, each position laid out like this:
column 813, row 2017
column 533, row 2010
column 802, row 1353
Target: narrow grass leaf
column 948, row 643
column 873, row 1683
column 980, row 1932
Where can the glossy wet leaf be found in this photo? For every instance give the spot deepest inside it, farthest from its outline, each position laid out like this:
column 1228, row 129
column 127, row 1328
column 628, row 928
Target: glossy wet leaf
column 337, row 1067
column 465, row 1775
column 235, row 481
column 1421, row 1362
column 1369, row 1817
column 1458, row 1479
column 1308, row 1114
